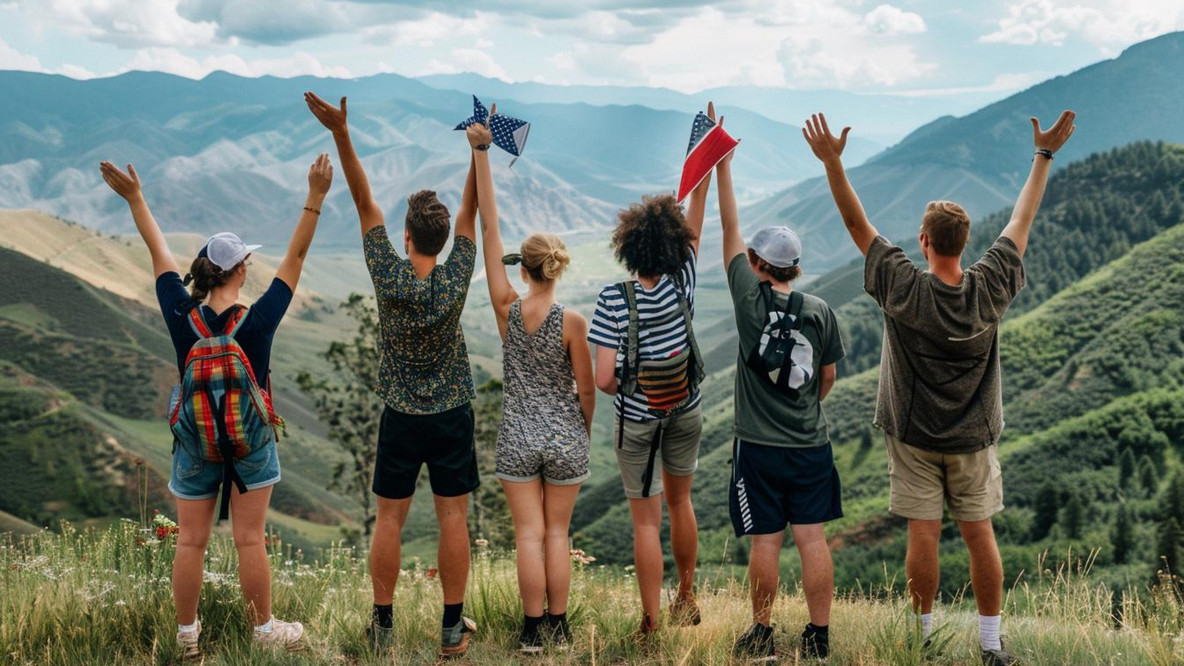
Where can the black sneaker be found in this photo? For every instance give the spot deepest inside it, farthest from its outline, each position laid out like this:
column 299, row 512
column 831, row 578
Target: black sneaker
column 756, row 645
column 558, row 631
column 815, row 644
column 998, row 657
column 530, row 641
column 380, row 638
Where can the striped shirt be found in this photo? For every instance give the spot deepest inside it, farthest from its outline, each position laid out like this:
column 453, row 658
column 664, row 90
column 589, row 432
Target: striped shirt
column 662, row 333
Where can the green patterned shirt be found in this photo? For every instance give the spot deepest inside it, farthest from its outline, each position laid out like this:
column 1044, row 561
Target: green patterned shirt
column 425, row 364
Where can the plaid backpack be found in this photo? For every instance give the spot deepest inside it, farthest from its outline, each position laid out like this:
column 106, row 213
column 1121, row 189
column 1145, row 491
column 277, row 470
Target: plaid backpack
column 221, row 415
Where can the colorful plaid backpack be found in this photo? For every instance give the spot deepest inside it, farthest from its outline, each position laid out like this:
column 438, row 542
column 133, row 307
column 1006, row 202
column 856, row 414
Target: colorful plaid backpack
column 221, row 414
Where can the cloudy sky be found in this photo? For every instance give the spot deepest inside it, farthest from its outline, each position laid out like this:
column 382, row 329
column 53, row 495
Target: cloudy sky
column 689, row 45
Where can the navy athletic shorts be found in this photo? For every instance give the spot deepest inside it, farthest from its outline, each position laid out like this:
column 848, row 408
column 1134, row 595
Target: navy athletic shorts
column 443, row 442
column 775, row 486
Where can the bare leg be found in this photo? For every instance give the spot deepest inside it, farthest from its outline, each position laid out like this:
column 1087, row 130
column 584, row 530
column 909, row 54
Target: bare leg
column 453, row 550
column 986, row 567
column 248, row 512
column 920, row 564
column 196, row 520
column 818, row 571
column 558, row 502
column 386, row 547
column 684, row 531
column 526, row 507
column 647, row 552
column 764, row 568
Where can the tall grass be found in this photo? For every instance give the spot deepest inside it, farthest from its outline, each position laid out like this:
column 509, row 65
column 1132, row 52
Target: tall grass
column 103, row 597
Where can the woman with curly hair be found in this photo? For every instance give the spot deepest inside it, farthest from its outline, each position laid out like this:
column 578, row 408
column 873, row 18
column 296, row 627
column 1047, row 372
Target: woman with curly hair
column 646, row 356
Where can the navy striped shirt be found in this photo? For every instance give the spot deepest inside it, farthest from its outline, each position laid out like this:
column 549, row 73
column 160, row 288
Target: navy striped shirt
column 662, row 333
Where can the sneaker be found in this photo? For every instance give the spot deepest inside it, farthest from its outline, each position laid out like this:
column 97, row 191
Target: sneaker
column 815, row 645
column 558, row 631
column 286, row 635
column 187, row 642
column 454, row 640
column 998, row 657
column 530, row 641
column 756, row 645
column 684, row 612
column 380, row 638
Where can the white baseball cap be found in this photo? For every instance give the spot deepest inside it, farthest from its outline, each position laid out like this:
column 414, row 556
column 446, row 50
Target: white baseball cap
column 226, row 250
column 779, row 246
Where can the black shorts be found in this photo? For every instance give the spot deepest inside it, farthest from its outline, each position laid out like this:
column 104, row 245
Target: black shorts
column 775, row 486
column 443, row 441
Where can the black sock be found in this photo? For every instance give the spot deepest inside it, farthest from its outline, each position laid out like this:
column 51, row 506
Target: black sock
column 530, row 624
column 557, row 617
column 452, row 614
column 822, row 633
column 384, row 615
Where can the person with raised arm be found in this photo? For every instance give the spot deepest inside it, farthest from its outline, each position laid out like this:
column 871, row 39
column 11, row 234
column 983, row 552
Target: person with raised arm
column 424, row 380
column 646, row 356
column 196, row 318
column 783, row 467
column 549, row 397
column 940, row 401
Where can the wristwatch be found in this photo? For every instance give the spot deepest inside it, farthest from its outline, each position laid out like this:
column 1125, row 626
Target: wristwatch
column 1043, row 151
column 484, row 146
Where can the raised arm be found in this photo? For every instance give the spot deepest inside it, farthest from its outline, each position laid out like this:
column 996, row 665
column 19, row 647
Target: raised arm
column 829, row 150
column 127, row 185
column 501, row 292
column 320, row 177
column 334, row 119
column 466, row 216
column 1029, row 201
column 729, row 215
column 697, row 207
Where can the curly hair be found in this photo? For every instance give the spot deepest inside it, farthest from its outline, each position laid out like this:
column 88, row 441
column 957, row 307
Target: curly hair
column 428, row 222
column 652, row 237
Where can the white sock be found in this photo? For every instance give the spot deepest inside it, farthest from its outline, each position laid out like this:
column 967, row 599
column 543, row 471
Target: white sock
column 187, row 628
column 926, row 624
column 264, row 628
column 988, row 632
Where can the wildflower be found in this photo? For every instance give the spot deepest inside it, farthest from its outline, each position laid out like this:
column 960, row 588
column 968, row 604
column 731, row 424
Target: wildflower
column 482, row 542
column 432, row 573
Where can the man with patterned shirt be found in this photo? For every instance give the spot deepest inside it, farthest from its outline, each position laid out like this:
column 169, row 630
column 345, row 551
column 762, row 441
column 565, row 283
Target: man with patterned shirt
column 424, row 379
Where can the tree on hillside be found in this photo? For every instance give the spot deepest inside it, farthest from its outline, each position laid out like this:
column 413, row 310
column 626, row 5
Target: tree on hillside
column 1048, row 502
column 1126, row 466
column 1173, row 500
column 1074, row 516
column 1122, row 535
column 1167, row 547
column 1148, row 476
column 346, row 403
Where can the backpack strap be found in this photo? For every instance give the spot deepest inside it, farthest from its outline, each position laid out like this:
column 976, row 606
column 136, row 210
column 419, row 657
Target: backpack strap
column 230, row 475
column 632, row 360
column 236, row 320
column 696, row 361
column 198, row 323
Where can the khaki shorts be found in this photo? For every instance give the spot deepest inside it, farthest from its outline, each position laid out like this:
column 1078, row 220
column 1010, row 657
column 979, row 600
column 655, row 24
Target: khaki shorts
column 970, row 483
column 677, row 450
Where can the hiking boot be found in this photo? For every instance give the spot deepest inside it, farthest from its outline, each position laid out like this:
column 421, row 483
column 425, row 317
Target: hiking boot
column 756, row 645
column 380, row 638
column 815, row 644
column 558, row 631
column 998, row 657
column 286, row 635
column 530, row 641
column 648, row 628
column 187, row 643
column 454, row 640
column 684, row 612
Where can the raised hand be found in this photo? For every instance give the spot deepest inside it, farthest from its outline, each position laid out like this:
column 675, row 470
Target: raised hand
column 824, row 144
column 478, row 135
column 711, row 114
column 320, row 176
column 332, row 117
column 126, row 185
column 1057, row 135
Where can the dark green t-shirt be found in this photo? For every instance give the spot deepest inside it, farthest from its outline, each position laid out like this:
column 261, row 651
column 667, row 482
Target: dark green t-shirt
column 765, row 415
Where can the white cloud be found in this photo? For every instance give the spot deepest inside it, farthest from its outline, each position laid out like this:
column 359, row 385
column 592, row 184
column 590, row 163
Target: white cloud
column 10, row 58
column 1103, row 23
column 428, row 31
column 467, row 60
column 124, row 23
column 890, row 20
column 175, row 62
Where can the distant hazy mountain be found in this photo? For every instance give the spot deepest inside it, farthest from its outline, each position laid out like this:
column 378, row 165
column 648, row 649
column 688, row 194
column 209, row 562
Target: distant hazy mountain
column 232, row 152
column 981, row 160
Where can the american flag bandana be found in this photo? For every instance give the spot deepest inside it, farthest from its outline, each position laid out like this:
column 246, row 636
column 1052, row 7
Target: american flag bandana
column 708, row 145
column 509, row 134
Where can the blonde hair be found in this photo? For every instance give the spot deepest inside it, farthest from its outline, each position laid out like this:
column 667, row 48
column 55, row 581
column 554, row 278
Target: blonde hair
column 544, row 257
column 948, row 227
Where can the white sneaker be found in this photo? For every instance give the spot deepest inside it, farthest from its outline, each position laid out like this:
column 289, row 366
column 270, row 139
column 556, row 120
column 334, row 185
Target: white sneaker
column 187, row 642
column 286, row 635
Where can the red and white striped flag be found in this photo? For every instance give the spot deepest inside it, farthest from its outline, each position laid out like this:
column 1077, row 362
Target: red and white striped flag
column 709, row 144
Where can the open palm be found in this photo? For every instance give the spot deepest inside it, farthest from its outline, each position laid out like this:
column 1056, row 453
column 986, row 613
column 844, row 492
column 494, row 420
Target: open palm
column 1057, row 135
column 126, row 185
column 825, row 145
column 332, row 117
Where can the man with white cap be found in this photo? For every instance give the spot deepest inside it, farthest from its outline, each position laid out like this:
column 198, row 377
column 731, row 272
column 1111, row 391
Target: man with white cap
column 783, row 467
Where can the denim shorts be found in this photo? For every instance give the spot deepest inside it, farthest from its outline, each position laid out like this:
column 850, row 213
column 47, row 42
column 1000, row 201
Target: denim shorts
column 196, row 479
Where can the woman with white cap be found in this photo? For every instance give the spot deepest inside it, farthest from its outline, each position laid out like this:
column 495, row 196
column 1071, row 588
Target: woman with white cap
column 210, row 309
